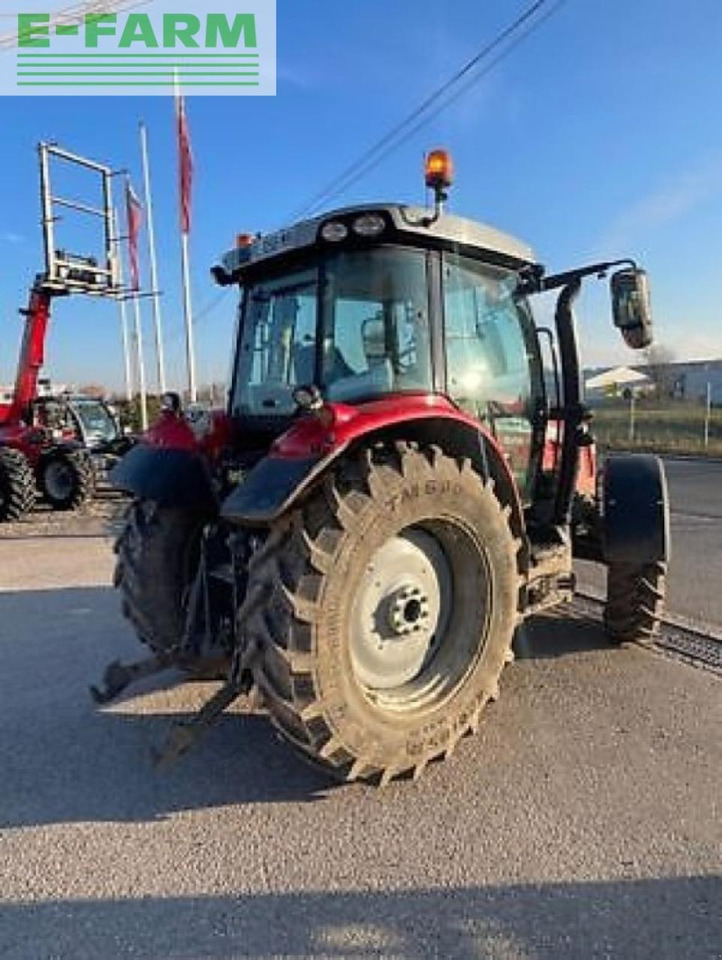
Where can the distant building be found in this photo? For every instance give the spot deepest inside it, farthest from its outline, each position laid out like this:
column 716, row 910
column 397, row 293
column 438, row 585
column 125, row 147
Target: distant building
column 690, row 380
column 686, row 380
column 617, row 380
column 46, row 388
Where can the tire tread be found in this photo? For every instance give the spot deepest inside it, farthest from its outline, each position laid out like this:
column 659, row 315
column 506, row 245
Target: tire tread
column 151, row 551
column 293, row 573
column 18, row 482
column 635, row 601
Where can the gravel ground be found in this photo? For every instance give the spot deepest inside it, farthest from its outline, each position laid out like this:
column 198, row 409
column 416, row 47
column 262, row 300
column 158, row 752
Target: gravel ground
column 582, row 822
column 99, row 517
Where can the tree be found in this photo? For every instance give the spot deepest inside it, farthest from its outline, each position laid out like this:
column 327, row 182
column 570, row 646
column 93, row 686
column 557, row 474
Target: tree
column 96, row 390
column 129, row 412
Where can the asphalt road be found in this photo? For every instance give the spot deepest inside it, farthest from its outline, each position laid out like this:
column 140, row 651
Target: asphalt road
column 583, row 821
column 695, row 576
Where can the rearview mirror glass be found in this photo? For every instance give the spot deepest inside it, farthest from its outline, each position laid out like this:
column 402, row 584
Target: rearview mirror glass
column 631, row 307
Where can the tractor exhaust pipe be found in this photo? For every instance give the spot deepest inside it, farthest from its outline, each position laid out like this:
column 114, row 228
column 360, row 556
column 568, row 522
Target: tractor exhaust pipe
column 575, row 412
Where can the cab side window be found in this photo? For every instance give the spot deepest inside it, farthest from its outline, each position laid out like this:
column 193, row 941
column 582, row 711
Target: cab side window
column 491, row 369
column 488, row 364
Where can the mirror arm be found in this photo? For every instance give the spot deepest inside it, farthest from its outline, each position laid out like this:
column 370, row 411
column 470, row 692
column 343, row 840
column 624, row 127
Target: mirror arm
column 532, row 279
column 593, row 269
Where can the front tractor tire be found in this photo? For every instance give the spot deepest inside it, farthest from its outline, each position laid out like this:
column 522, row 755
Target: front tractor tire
column 66, row 479
column 157, row 557
column 392, row 603
column 635, row 601
column 17, row 485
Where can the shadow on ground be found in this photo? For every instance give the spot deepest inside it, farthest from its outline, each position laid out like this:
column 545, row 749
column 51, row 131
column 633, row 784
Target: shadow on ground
column 559, row 633
column 65, row 760
column 665, row 919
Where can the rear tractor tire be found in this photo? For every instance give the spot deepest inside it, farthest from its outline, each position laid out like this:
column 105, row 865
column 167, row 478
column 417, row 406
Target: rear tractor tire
column 635, row 601
column 17, row 485
column 66, row 479
column 157, row 556
column 391, row 608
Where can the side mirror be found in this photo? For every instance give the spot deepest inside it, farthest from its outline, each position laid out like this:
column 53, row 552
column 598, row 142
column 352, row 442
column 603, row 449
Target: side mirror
column 631, row 307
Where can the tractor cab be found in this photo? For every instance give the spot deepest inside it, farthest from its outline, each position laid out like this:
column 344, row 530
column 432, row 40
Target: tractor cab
column 377, row 303
column 87, row 421
column 93, row 422
column 387, row 302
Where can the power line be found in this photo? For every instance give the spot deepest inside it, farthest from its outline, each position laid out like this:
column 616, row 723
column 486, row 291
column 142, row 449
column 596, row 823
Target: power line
column 74, row 16
column 339, row 183
column 375, row 161
column 421, row 115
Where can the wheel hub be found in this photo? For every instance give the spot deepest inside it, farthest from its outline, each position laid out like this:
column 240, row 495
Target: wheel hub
column 58, row 480
column 402, row 606
column 409, row 611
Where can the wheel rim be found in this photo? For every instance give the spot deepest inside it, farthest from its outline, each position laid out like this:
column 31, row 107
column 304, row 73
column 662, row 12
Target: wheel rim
column 410, row 643
column 59, row 480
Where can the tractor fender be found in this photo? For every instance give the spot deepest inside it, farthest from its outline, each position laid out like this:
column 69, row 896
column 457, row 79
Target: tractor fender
column 172, row 477
column 635, row 509
column 278, row 483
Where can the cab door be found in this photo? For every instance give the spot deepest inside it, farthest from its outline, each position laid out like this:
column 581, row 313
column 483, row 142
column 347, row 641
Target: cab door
column 493, row 365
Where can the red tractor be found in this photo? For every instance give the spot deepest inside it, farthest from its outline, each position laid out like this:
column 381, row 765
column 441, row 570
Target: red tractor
column 362, row 531
column 39, row 451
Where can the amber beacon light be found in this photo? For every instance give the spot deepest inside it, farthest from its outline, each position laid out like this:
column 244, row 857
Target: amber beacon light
column 439, row 170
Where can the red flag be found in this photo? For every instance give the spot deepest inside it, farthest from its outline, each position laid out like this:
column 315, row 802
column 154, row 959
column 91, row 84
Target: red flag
column 135, row 221
column 185, row 165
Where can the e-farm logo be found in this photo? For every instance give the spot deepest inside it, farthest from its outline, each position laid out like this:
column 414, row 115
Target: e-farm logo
column 141, row 47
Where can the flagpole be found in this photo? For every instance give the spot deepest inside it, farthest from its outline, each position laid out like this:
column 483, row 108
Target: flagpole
column 185, row 174
column 188, row 314
column 123, row 318
column 137, row 318
column 126, row 349
column 155, row 288
column 138, row 338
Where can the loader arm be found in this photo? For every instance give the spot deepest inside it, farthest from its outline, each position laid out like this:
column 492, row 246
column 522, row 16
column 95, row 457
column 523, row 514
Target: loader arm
column 32, row 353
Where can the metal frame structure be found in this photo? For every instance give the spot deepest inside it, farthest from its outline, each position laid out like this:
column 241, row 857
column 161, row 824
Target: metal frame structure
column 66, row 273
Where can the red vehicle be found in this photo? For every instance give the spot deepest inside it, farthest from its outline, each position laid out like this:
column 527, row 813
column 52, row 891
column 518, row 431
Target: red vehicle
column 361, row 532
column 38, row 451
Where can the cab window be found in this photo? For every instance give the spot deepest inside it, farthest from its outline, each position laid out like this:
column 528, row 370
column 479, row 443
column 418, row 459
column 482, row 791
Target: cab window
column 491, row 366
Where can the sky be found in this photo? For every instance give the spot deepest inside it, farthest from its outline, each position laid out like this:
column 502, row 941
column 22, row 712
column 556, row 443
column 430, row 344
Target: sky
column 600, row 136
